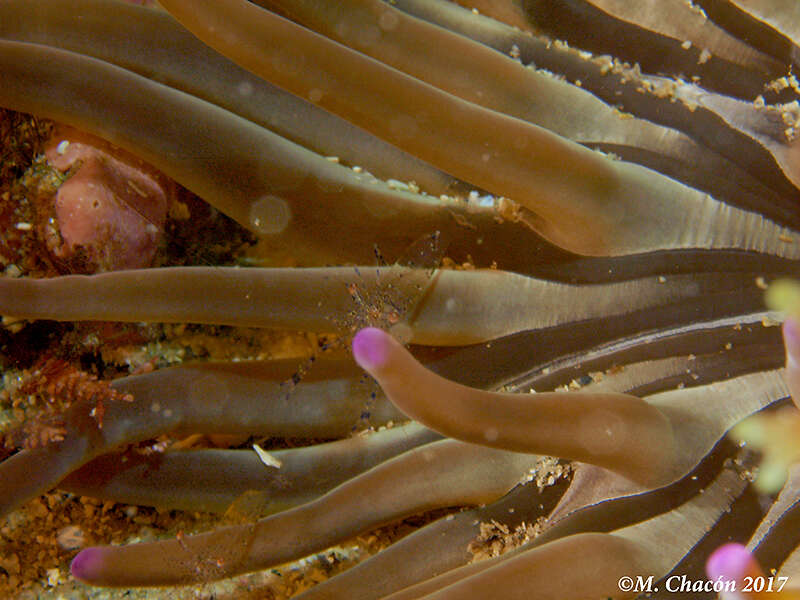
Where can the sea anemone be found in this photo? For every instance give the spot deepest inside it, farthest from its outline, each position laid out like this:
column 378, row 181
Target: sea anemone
column 544, row 216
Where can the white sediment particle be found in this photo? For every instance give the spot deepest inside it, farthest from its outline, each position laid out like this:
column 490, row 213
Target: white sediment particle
column 266, row 457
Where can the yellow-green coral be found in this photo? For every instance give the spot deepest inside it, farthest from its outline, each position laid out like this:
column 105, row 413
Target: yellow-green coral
column 784, row 295
column 777, row 435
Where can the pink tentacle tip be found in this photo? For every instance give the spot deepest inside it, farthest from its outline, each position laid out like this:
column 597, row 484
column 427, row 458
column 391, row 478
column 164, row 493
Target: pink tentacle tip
column 730, row 562
column 371, row 348
column 86, row 565
column 791, row 337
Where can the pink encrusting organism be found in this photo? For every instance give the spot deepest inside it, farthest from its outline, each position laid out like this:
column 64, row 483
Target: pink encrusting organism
column 109, row 214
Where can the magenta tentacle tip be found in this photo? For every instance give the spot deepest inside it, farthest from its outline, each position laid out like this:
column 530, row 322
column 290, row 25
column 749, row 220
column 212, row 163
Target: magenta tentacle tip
column 730, row 562
column 371, row 348
column 791, row 336
column 86, row 565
